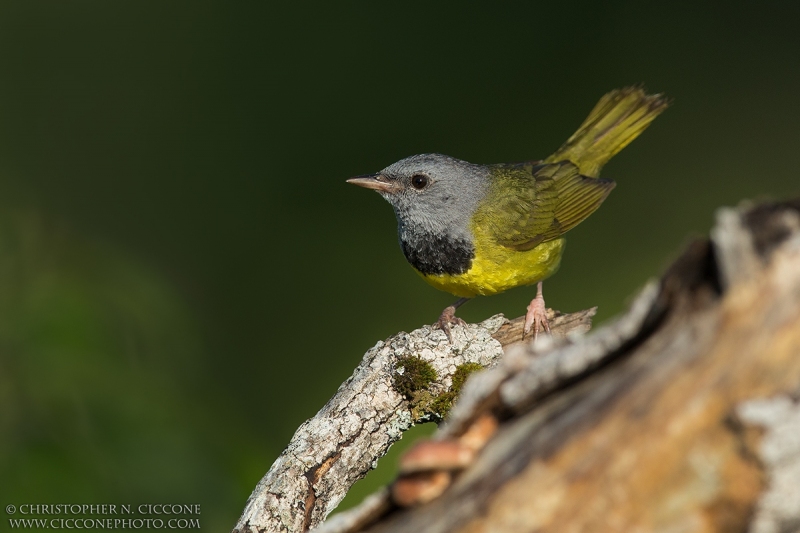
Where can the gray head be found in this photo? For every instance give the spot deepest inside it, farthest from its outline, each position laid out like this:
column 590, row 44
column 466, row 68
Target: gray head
column 431, row 193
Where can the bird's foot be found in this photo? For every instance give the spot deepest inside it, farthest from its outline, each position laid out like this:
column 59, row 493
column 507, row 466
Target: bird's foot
column 448, row 318
column 536, row 318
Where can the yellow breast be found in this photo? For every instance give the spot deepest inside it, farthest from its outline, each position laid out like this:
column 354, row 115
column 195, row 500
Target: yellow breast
column 497, row 268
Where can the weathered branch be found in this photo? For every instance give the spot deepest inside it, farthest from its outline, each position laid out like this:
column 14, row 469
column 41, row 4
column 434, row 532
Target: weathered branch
column 345, row 439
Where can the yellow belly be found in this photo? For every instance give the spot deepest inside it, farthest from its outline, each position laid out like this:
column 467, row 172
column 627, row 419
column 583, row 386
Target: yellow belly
column 496, row 269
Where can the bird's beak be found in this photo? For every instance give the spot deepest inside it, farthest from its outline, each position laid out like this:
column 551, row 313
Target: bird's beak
column 373, row 181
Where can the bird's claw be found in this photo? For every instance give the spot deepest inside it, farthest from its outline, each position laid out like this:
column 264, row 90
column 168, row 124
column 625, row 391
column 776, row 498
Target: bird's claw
column 536, row 318
column 446, row 319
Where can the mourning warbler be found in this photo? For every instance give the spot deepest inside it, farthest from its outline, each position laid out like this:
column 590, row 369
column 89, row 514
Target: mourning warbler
column 482, row 229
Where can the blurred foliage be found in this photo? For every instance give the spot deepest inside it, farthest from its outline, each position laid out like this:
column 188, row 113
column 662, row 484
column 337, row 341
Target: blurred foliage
column 99, row 377
column 185, row 276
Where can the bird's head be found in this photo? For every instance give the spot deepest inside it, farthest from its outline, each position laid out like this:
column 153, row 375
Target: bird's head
column 433, row 192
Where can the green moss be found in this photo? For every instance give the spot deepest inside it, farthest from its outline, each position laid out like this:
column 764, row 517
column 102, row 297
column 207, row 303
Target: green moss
column 441, row 405
column 462, row 373
column 421, row 406
column 412, row 375
column 412, row 378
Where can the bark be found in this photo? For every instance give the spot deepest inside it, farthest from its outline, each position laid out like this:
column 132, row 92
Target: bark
column 345, row 439
column 681, row 415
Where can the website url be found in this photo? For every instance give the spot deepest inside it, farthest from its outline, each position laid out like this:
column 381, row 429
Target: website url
column 104, row 523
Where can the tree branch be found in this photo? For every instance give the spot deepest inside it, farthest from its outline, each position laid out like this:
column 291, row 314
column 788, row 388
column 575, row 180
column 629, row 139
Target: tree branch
column 345, row 439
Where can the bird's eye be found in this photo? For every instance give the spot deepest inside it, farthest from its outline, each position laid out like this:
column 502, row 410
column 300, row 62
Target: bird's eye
column 419, row 181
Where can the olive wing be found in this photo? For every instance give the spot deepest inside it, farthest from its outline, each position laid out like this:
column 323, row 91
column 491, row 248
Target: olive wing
column 530, row 204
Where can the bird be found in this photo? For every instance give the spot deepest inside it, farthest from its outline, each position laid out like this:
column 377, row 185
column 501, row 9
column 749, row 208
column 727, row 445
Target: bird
column 478, row 230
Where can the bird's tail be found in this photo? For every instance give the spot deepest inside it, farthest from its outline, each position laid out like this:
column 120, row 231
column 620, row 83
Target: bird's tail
column 617, row 119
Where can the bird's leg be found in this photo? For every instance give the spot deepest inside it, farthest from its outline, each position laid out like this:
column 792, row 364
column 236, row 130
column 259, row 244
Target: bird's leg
column 537, row 315
column 448, row 318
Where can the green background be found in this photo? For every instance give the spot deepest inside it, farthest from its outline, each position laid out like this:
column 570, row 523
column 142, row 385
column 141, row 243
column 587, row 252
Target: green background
column 184, row 275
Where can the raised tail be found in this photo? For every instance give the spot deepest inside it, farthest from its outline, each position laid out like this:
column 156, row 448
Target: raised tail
column 617, row 119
